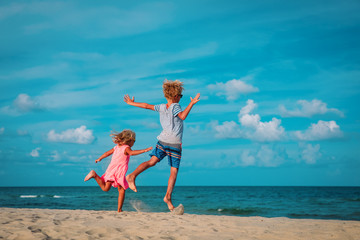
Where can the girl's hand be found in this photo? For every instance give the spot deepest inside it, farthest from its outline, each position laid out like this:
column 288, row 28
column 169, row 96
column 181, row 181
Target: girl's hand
column 148, row 149
column 97, row 160
column 128, row 100
column 195, row 99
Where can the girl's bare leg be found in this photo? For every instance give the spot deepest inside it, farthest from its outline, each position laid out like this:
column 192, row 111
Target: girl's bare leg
column 121, row 198
column 105, row 186
column 171, row 184
column 142, row 167
column 90, row 175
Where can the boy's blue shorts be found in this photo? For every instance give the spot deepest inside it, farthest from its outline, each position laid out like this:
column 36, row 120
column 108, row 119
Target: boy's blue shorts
column 173, row 151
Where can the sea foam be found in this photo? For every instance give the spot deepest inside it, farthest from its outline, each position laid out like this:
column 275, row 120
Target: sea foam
column 28, row 196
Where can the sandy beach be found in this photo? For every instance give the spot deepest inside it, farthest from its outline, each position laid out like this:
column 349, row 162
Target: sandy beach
column 84, row 224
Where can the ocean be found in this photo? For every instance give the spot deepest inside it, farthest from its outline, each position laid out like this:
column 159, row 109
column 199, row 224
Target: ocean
column 342, row 203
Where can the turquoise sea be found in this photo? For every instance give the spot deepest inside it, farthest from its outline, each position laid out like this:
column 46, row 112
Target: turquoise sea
column 294, row 202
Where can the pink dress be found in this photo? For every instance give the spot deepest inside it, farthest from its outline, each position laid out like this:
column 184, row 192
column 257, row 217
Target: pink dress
column 117, row 168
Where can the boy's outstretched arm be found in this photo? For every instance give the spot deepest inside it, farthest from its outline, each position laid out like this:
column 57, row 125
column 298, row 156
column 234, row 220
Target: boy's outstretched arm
column 186, row 112
column 131, row 101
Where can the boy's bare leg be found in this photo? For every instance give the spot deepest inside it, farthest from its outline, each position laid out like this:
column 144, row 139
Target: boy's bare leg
column 171, row 184
column 121, row 198
column 105, row 186
column 142, row 167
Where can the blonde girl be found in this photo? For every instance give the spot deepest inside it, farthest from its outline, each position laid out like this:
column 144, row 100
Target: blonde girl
column 116, row 171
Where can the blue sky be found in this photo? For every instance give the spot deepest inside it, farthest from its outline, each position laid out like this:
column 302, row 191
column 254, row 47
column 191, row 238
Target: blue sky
column 279, row 84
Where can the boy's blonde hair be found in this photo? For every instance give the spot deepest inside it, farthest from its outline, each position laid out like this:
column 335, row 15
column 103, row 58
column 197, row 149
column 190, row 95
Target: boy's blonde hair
column 125, row 137
column 172, row 88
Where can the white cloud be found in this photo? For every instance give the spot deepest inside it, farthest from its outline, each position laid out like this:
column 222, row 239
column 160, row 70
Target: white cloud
column 2, row 130
column 35, row 152
column 22, row 104
column 79, row 135
column 310, row 154
column 258, row 130
column 55, row 156
column 233, row 88
column 266, row 156
column 9, row 111
column 250, row 106
column 229, row 129
column 22, row 132
column 268, row 131
column 309, row 109
column 247, row 159
column 320, row 131
column 25, row 103
column 248, row 120
column 251, row 127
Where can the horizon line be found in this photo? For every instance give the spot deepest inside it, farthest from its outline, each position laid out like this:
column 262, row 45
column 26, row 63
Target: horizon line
column 200, row 186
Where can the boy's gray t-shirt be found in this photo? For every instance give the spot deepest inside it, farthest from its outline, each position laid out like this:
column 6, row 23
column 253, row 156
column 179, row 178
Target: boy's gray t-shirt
column 170, row 122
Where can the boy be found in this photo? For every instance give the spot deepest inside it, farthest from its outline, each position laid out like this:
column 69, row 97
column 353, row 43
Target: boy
column 170, row 139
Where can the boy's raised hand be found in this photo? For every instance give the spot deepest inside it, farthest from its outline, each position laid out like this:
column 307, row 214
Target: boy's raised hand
column 128, row 100
column 195, row 99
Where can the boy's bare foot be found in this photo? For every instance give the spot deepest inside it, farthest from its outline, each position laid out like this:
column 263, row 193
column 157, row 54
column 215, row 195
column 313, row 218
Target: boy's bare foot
column 131, row 181
column 179, row 210
column 169, row 203
column 90, row 175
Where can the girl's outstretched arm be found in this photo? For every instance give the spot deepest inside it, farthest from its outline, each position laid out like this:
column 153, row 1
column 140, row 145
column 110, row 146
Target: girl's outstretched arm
column 130, row 152
column 108, row 153
column 131, row 101
column 186, row 112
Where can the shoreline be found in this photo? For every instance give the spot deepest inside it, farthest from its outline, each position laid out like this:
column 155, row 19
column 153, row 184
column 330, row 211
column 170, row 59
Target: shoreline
column 34, row 223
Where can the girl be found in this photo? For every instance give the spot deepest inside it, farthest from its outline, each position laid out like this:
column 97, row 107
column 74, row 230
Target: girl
column 116, row 171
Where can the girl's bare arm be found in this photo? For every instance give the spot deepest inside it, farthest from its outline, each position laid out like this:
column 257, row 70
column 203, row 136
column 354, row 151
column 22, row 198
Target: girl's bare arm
column 106, row 154
column 131, row 101
column 130, row 152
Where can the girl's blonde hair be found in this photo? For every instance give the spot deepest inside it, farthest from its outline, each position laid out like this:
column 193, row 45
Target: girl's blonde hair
column 172, row 88
column 125, row 137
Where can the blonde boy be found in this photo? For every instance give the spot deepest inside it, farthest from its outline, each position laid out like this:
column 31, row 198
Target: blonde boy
column 170, row 139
